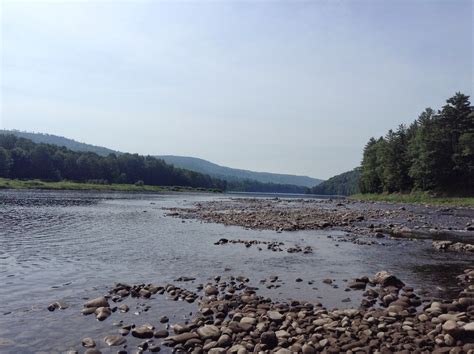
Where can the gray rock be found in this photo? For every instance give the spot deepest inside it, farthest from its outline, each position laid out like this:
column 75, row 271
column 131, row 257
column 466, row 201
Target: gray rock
column 142, row 332
column 208, row 332
column 98, row 302
column 88, row 342
column 114, row 340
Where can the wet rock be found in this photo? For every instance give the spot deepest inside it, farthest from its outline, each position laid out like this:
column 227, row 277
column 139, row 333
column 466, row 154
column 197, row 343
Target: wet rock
column 386, row 279
column 102, row 313
column 142, row 332
column 211, row 290
column 88, row 342
column 123, row 308
column 98, row 302
column 162, row 333
column 114, row 340
column 92, row 351
column 182, row 338
column 154, row 348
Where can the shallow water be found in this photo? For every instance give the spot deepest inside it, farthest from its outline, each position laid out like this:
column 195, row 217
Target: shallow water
column 72, row 245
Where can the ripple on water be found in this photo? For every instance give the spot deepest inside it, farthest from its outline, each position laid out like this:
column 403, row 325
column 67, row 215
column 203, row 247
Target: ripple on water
column 91, row 240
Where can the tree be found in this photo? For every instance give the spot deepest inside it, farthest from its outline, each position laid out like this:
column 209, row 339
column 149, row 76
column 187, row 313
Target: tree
column 5, row 162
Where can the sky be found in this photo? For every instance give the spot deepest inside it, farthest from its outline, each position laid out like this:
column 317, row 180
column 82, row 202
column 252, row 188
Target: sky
column 279, row 86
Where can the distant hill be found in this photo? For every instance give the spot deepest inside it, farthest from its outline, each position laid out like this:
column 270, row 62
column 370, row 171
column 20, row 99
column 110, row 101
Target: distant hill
column 346, row 183
column 233, row 174
column 238, row 180
column 60, row 141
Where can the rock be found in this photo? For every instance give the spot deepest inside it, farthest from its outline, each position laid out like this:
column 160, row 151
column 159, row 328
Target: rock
column 217, row 351
column 114, row 340
column 275, row 316
column 283, row 351
column 142, row 332
column 123, row 308
column 164, row 319
column 327, row 281
column 208, row 332
column 385, row 279
column 162, row 333
column 269, row 338
column 450, row 326
column 469, row 329
column 224, row 341
column 211, row 290
column 282, row 334
column 98, row 302
column 92, row 351
column 183, row 337
column 308, row 349
column 249, row 320
column 102, row 313
column 154, row 348
column 88, row 342
column 358, row 285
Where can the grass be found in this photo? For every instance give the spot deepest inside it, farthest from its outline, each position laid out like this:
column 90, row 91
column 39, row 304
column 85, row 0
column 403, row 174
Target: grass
column 6, row 183
column 416, row 198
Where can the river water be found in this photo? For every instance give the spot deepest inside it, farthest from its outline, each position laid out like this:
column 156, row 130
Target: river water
column 68, row 246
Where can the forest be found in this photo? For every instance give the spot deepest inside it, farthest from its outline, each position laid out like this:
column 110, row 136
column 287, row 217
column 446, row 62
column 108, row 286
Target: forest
column 346, row 183
column 22, row 159
column 435, row 153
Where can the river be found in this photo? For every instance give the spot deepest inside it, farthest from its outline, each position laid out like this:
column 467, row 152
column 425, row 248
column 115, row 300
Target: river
column 68, row 246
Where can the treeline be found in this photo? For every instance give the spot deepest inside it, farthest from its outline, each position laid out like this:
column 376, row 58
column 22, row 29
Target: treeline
column 346, row 183
column 22, row 159
column 435, row 153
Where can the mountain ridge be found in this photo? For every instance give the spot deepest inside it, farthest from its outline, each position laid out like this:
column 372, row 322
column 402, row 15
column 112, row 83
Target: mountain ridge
column 232, row 174
column 186, row 162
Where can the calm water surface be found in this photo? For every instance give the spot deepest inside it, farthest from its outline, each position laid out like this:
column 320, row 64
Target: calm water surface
column 67, row 246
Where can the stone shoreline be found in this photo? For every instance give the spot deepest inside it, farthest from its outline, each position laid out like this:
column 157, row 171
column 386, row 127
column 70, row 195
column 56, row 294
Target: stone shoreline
column 232, row 318
column 372, row 219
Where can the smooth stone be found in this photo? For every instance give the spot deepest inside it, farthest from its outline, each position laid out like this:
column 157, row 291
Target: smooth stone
column 98, row 302
column 142, row 332
column 275, row 316
column 92, row 351
column 161, row 333
column 183, row 337
column 114, row 340
column 102, row 313
column 209, row 332
column 269, row 338
column 211, row 290
column 88, row 342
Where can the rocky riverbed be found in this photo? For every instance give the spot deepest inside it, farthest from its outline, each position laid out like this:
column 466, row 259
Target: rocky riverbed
column 231, row 317
column 354, row 217
column 60, row 250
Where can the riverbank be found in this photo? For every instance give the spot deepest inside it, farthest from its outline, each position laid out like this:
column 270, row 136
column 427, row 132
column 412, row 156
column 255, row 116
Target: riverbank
column 6, row 183
column 416, row 198
column 231, row 317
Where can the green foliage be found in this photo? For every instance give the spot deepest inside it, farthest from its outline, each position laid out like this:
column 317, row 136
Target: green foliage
column 237, row 175
column 5, row 162
column 436, row 153
column 94, row 185
column 22, row 159
column 346, row 183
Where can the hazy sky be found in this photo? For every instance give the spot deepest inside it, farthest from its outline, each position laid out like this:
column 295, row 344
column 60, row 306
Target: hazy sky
column 279, row 86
